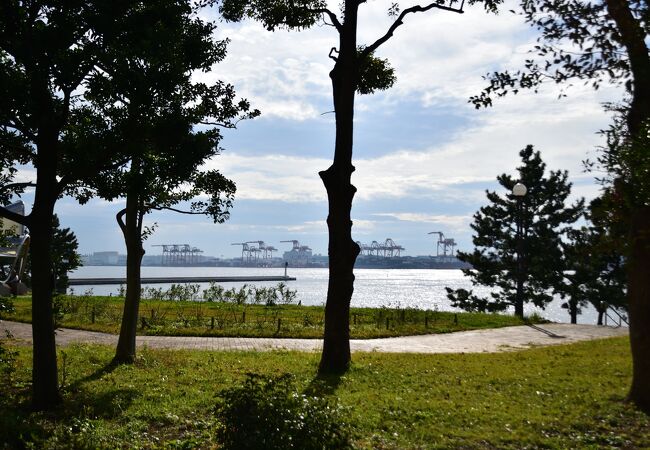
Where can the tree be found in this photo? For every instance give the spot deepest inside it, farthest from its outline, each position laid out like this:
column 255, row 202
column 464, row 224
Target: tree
column 524, row 266
column 356, row 70
column 50, row 50
column 47, row 50
column 145, row 89
column 65, row 257
column 596, row 271
column 597, row 41
column 64, row 254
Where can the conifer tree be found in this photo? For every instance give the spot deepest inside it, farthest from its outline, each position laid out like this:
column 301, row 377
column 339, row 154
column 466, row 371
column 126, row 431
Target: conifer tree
column 596, row 42
column 596, row 265
column 527, row 268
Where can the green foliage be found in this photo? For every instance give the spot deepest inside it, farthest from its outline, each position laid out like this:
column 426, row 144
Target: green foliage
column 65, row 257
column 6, row 306
column 579, row 40
column 374, row 73
column 596, row 264
column 274, row 13
column 544, row 219
column 7, row 370
column 147, row 92
column 64, row 254
column 626, row 162
column 268, row 412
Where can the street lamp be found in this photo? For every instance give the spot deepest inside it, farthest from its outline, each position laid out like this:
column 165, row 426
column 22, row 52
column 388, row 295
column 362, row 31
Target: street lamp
column 519, row 191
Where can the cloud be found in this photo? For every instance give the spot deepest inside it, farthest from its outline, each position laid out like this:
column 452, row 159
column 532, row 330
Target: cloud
column 456, row 223
column 563, row 130
column 273, row 177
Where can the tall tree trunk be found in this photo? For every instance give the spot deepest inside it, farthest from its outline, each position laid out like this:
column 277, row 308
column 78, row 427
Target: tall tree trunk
column 633, row 37
column 45, row 391
column 639, row 308
column 132, row 231
column 342, row 249
column 573, row 311
column 600, row 317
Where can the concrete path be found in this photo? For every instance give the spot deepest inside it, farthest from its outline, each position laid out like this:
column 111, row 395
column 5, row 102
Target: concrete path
column 477, row 341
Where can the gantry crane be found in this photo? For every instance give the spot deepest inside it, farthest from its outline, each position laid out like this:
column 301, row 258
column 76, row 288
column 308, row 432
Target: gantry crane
column 266, row 250
column 447, row 244
column 245, row 250
column 298, row 251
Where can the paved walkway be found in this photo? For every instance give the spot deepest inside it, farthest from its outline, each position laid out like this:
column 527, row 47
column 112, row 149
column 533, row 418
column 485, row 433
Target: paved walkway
column 477, row 341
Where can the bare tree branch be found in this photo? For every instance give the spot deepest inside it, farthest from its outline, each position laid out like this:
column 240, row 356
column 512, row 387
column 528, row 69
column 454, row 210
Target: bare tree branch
column 400, row 21
column 120, row 221
column 335, row 20
column 180, row 211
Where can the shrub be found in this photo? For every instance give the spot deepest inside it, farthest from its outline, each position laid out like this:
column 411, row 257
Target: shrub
column 214, row 293
column 268, row 413
column 6, row 305
column 7, row 368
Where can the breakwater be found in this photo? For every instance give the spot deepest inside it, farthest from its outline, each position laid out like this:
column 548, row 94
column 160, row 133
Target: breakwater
column 163, row 280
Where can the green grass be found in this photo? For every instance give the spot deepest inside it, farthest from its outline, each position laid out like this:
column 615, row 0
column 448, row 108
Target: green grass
column 568, row 396
column 191, row 318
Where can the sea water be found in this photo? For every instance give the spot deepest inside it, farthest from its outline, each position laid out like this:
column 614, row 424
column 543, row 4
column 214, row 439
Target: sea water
column 403, row 288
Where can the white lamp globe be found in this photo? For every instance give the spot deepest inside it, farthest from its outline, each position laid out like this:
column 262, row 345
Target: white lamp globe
column 519, row 190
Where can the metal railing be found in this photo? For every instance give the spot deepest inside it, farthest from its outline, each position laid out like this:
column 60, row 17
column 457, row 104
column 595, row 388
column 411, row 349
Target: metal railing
column 618, row 319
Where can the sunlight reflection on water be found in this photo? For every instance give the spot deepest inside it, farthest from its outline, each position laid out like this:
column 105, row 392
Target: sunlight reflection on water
column 405, row 288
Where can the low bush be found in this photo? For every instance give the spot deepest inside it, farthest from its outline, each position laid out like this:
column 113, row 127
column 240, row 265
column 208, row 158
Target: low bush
column 268, row 413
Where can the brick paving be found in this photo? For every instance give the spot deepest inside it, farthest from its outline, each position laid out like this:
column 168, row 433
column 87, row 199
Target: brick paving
column 476, row 341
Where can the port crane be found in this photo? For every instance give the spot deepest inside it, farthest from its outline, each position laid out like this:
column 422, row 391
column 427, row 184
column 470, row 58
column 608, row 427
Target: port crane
column 298, row 251
column 266, row 250
column 446, row 244
column 387, row 249
column 245, row 250
column 179, row 254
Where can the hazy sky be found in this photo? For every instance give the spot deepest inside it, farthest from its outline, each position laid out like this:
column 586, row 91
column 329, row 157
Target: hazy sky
column 424, row 156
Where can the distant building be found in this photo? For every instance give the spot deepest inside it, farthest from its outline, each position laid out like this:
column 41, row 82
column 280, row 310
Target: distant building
column 102, row 259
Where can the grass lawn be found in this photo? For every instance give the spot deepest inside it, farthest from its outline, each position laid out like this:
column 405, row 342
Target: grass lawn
column 567, row 396
column 192, row 318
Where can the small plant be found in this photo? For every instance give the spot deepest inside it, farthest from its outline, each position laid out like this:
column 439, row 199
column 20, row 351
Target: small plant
column 59, row 308
column 121, row 292
column 287, row 296
column 6, row 306
column 268, row 413
column 214, row 293
column 7, row 366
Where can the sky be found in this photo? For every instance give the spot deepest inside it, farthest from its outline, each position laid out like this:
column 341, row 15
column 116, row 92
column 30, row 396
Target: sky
column 423, row 155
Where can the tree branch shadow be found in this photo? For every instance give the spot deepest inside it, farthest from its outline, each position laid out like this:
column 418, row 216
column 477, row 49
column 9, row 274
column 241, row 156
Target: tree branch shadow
column 323, row 385
column 96, row 375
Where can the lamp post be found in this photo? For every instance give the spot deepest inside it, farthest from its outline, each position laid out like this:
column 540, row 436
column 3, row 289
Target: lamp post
column 519, row 191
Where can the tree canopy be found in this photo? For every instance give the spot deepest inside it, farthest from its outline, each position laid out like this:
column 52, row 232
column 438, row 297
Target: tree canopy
column 503, row 256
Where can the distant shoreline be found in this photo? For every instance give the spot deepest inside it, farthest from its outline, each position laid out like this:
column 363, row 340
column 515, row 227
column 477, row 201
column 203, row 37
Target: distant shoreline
column 419, row 263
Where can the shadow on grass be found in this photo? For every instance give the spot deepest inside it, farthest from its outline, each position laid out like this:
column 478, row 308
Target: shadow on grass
column 323, row 385
column 109, row 403
column 96, row 375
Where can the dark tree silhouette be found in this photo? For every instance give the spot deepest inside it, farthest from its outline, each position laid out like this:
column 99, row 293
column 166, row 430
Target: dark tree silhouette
column 58, row 60
column 596, row 266
column 597, row 41
column 145, row 90
column 356, row 69
column 47, row 51
column 528, row 267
